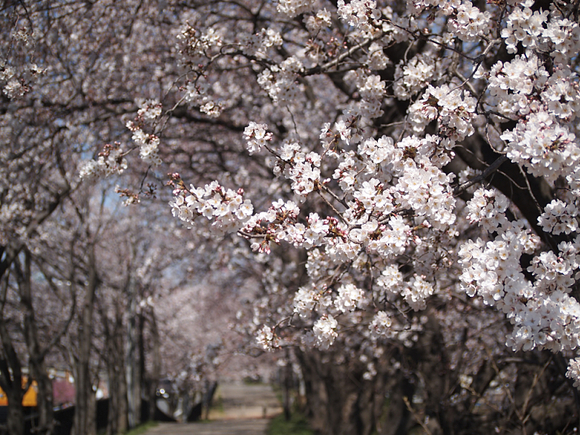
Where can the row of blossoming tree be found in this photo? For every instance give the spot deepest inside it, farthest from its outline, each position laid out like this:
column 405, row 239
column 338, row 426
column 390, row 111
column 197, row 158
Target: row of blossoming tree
column 406, row 174
column 100, row 291
column 410, row 188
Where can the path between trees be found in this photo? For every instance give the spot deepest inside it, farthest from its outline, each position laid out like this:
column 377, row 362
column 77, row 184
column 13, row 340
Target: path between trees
column 240, row 409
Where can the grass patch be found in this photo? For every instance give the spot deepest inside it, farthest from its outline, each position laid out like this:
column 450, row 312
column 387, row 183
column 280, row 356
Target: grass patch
column 217, row 404
column 298, row 425
column 249, row 380
column 142, row 428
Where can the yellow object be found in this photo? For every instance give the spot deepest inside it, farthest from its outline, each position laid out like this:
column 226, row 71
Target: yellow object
column 29, row 398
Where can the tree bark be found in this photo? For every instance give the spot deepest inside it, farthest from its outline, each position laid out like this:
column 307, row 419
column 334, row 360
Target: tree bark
column 12, row 386
column 155, row 365
column 114, row 360
column 287, row 385
column 132, row 363
column 141, row 364
column 85, row 408
column 36, row 355
column 10, row 372
column 339, row 400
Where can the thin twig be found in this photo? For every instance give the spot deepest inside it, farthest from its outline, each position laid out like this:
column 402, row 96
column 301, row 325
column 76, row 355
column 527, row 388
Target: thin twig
column 486, row 173
column 416, row 416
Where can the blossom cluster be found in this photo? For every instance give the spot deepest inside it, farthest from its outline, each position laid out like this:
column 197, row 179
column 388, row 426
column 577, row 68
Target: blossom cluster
column 381, row 324
column 466, row 20
column 349, row 298
column 228, row 209
column 362, row 14
column 543, row 313
column 295, row 7
column 267, row 338
column 417, row 292
column 416, row 181
column 149, row 110
column 325, row 331
column 258, row 44
column 512, row 84
column 196, row 93
column 372, row 91
column 450, row 106
column 109, row 162
column 273, row 226
column 17, row 80
column 536, row 30
column 300, row 167
column 389, row 282
column 256, row 136
column 488, row 207
column 573, row 371
column 305, row 300
column 148, row 144
column 515, row 86
column 376, row 59
column 315, row 23
column 414, row 75
column 559, row 217
column 14, row 86
column 280, row 82
column 543, row 145
column 469, row 23
column 194, row 43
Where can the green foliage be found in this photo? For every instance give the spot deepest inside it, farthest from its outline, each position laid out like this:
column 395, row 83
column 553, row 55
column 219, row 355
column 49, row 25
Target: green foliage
column 142, row 428
column 249, row 380
column 217, row 404
column 298, row 425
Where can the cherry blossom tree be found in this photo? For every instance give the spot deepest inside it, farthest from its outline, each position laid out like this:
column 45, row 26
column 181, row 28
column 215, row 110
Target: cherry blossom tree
column 58, row 100
column 422, row 151
column 406, row 174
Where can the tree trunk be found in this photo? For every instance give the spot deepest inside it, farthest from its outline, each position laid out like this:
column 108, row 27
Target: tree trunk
column 132, row 363
column 36, row 355
column 287, row 385
column 140, row 375
column 339, row 400
column 210, row 389
column 155, row 367
column 396, row 419
column 15, row 419
column 117, row 417
column 85, row 408
column 122, row 424
column 12, row 387
column 10, row 373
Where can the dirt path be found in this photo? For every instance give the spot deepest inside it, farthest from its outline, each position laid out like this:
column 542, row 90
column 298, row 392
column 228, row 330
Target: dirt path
column 241, row 410
column 224, row 427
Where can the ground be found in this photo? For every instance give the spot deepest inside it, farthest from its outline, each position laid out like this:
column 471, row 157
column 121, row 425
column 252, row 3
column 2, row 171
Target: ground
column 241, row 409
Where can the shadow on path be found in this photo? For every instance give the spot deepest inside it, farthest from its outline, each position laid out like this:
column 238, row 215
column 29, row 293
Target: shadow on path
column 225, row 427
column 244, row 410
